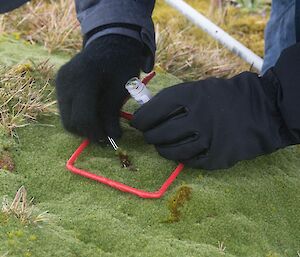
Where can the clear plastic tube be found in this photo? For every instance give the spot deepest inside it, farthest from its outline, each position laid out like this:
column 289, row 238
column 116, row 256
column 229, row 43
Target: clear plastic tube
column 138, row 90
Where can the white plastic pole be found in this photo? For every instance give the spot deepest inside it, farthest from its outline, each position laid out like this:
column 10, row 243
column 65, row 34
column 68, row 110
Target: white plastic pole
column 216, row 32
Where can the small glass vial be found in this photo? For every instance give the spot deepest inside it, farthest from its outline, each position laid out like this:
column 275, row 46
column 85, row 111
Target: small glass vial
column 138, row 90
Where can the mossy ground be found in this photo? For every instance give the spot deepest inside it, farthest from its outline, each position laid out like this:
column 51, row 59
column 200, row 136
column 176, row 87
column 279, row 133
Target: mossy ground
column 252, row 208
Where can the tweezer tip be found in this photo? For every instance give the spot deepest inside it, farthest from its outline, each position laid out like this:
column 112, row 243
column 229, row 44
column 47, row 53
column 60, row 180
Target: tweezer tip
column 113, row 143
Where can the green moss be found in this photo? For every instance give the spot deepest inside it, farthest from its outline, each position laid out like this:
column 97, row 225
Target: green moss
column 3, row 219
column 272, row 254
column 181, row 196
column 253, row 207
column 15, row 51
column 6, row 143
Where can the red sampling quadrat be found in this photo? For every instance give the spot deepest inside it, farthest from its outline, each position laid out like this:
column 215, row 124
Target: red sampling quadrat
column 115, row 184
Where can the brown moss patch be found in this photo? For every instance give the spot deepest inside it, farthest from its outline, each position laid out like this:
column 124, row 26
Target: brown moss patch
column 6, row 161
column 125, row 160
column 182, row 195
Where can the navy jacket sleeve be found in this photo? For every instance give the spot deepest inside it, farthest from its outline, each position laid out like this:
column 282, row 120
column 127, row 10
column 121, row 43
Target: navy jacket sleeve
column 9, row 5
column 114, row 16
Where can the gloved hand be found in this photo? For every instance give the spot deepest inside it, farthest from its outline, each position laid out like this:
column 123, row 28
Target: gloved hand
column 90, row 87
column 215, row 123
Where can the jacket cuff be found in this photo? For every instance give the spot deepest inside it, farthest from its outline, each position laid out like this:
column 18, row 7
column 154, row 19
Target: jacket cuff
column 121, row 12
column 148, row 58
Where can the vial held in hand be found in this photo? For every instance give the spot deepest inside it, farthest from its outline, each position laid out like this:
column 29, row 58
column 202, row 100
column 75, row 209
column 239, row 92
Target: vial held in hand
column 138, row 90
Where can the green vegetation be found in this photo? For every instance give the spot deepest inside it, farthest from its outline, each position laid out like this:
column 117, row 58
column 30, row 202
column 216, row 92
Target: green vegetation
column 51, row 23
column 254, row 4
column 251, row 209
column 183, row 50
column 25, row 92
column 22, row 208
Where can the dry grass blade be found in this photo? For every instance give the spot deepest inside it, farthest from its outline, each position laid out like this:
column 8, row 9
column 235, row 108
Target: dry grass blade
column 180, row 49
column 50, row 23
column 25, row 93
column 2, row 23
column 23, row 209
column 5, row 254
column 178, row 54
column 42, row 217
column 221, row 247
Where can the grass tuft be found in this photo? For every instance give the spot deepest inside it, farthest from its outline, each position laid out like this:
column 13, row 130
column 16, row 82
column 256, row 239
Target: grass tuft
column 23, row 209
column 50, row 23
column 183, row 50
column 25, row 93
column 190, row 54
column 221, row 247
column 178, row 54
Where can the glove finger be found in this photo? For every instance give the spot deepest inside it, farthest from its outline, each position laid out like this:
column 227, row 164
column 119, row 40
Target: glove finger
column 159, row 109
column 110, row 111
column 77, row 93
column 85, row 115
column 183, row 151
column 65, row 109
column 112, row 127
column 170, row 132
column 208, row 163
column 65, row 97
column 199, row 161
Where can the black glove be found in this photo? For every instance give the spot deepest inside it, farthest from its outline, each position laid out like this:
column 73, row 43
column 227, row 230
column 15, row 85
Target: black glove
column 90, row 87
column 214, row 123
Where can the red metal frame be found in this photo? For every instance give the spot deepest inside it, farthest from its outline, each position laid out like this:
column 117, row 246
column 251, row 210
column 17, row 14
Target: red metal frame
column 115, row 184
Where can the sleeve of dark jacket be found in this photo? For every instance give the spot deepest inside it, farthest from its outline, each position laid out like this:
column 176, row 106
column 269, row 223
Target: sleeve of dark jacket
column 9, row 5
column 114, row 16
